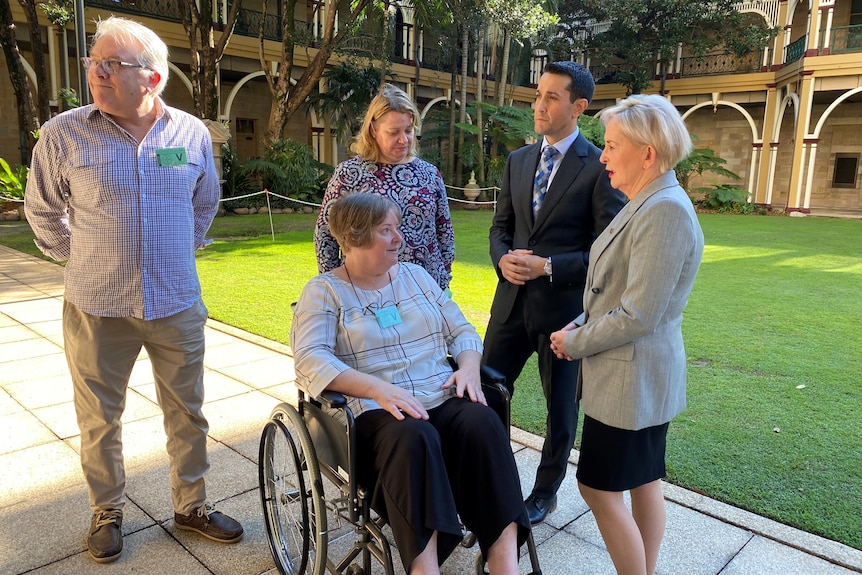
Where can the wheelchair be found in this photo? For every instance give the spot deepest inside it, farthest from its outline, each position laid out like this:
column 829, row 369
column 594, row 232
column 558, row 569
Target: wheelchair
column 310, row 496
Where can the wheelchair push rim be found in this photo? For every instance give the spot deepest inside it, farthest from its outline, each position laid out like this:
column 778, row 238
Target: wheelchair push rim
column 291, row 495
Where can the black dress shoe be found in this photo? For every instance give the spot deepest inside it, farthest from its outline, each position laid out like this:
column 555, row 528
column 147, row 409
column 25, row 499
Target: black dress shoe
column 538, row 508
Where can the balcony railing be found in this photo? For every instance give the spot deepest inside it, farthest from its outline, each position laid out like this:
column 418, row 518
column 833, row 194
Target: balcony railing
column 795, row 50
column 846, row 39
column 170, row 10
column 727, row 63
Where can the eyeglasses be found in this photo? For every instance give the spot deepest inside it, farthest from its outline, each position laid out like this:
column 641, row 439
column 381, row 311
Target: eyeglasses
column 110, row 67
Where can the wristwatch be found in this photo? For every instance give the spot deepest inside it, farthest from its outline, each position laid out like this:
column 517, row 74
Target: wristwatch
column 548, row 269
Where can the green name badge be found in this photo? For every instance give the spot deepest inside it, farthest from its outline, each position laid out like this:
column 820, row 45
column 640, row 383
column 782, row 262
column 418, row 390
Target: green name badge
column 172, row 156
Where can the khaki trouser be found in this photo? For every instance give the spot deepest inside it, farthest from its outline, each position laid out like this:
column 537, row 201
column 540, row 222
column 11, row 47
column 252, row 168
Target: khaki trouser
column 101, row 352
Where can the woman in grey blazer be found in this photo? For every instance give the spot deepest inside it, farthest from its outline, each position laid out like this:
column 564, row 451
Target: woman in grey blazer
column 629, row 338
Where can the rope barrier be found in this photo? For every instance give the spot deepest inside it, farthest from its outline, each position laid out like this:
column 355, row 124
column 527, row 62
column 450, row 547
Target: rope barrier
column 315, row 205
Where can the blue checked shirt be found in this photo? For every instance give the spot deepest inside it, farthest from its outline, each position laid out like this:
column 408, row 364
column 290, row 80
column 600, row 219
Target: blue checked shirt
column 127, row 216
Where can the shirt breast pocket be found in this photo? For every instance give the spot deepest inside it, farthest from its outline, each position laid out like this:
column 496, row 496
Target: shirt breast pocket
column 92, row 174
column 176, row 183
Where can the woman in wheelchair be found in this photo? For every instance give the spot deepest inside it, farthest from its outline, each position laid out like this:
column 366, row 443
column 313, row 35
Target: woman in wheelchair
column 430, row 449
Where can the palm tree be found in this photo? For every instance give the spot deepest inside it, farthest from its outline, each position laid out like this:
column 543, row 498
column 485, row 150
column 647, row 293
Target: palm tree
column 349, row 90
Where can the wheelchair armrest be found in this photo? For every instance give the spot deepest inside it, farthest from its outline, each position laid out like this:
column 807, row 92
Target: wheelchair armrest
column 487, row 373
column 332, row 399
column 490, row 375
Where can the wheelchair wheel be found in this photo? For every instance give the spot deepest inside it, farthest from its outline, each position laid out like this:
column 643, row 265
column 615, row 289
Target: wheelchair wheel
column 291, row 493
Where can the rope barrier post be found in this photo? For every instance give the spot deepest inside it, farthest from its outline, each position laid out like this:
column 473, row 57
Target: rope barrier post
column 269, row 211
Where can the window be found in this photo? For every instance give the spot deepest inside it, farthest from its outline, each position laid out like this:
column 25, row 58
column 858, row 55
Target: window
column 846, row 167
column 855, row 12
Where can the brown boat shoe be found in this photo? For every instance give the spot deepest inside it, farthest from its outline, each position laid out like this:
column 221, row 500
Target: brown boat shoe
column 105, row 540
column 212, row 524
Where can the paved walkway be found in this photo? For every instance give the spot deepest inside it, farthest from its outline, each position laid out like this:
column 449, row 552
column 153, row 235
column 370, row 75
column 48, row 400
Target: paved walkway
column 44, row 514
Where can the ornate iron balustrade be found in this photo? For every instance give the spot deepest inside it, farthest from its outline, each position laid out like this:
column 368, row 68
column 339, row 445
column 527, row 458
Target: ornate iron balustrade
column 170, row 10
column 846, row 39
column 249, row 22
column 726, row 63
column 795, row 50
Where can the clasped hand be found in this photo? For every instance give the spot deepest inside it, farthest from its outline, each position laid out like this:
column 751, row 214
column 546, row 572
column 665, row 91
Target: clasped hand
column 521, row 266
column 558, row 341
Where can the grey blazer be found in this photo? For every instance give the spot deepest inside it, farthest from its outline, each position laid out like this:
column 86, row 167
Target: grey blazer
column 641, row 272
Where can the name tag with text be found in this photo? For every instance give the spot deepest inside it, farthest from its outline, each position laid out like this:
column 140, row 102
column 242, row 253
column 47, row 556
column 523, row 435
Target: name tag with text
column 172, row 157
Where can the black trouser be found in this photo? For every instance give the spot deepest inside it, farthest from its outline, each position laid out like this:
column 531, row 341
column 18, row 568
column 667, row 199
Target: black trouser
column 425, row 474
column 508, row 346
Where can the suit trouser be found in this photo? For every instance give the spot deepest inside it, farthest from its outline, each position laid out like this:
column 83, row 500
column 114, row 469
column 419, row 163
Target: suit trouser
column 101, row 352
column 508, row 346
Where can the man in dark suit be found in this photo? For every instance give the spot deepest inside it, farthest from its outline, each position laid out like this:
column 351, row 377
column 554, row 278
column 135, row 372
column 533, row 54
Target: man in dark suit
column 552, row 205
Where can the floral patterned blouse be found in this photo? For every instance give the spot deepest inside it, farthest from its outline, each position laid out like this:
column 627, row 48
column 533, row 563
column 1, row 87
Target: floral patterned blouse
column 417, row 188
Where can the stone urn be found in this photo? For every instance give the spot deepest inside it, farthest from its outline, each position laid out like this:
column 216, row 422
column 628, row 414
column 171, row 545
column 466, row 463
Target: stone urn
column 471, row 192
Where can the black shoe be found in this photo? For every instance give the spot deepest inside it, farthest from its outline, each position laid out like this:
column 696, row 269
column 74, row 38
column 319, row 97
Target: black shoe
column 538, row 509
column 210, row 523
column 105, row 540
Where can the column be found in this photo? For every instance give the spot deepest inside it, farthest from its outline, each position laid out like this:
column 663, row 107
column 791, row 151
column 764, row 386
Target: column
column 806, row 101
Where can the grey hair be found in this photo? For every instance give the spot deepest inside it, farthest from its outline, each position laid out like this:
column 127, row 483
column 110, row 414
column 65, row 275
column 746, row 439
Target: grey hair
column 651, row 120
column 153, row 54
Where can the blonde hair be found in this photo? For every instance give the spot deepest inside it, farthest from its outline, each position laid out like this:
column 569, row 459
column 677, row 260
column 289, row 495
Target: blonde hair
column 352, row 217
column 651, row 120
column 153, row 53
column 389, row 99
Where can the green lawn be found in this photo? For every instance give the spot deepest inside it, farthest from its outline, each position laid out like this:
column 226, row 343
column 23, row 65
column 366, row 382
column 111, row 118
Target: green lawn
column 773, row 423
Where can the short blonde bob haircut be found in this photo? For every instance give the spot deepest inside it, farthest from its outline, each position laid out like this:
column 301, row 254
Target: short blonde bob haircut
column 651, row 120
column 353, row 217
column 389, row 99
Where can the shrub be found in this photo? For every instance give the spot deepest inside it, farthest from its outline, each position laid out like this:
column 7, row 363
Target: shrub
column 13, row 182
column 288, row 169
column 726, row 198
column 236, row 182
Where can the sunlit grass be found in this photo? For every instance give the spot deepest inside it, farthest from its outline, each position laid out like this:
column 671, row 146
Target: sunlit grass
column 774, row 422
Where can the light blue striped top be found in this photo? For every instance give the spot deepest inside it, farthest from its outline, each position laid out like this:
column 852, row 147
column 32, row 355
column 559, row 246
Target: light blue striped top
column 334, row 329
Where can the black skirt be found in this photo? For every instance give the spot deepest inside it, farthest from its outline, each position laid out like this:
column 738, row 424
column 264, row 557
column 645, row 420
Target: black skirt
column 613, row 459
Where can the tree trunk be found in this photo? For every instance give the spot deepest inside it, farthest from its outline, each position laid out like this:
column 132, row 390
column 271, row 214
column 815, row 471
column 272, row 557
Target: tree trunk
column 206, row 54
column 450, row 152
column 287, row 100
column 64, row 64
column 462, row 116
column 27, row 118
column 416, row 56
column 43, row 96
column 504, row 68
column 480, row 76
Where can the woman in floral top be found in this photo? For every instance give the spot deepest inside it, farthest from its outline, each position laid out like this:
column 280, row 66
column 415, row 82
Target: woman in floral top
column 386, row 164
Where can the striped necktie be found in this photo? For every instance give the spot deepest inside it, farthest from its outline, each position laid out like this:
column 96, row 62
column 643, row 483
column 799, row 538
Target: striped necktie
column 543, row 174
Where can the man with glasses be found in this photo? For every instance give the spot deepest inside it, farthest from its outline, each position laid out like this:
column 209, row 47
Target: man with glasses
column 125, row 190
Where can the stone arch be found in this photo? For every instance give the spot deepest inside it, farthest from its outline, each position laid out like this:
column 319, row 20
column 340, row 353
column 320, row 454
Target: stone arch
column 822, row 121
column 790, row 99
column 430, row 105
column 176, row 72
column 756, row 139
column 768, row 9
column 234, row 92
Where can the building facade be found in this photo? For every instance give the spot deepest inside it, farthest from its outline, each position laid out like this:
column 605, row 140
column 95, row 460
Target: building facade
column 788, row 121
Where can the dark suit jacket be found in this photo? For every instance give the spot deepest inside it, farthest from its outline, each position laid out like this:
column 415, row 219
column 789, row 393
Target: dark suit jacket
column 578, row 205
